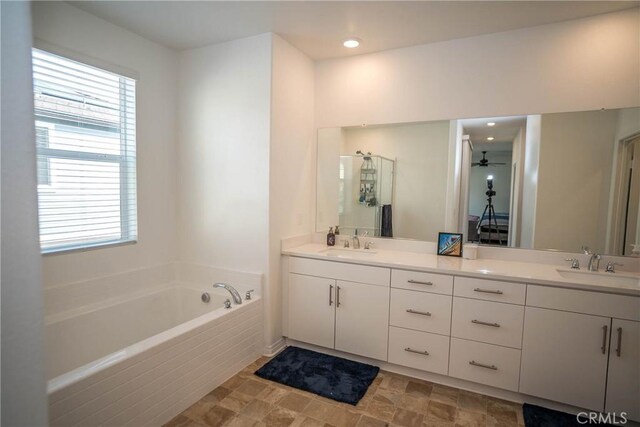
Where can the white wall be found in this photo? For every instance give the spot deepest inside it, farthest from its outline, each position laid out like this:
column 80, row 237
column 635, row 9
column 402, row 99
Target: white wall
column 574, row 177
column 330, row 142
column 292, row 162
column 24, row 399
column 81, row 35
column 421, row 152
column 576, row 65
column 530, row 181
column 501, row 180
column 223, row 154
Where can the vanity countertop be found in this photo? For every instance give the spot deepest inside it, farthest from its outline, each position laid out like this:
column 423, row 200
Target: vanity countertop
column 531, row 273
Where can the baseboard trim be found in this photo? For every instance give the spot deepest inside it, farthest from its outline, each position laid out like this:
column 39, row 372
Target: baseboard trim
column 275, row 348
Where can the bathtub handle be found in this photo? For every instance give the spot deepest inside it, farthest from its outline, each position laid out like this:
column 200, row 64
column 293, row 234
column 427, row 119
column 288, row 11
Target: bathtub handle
column 247, row 296
column 227, row 303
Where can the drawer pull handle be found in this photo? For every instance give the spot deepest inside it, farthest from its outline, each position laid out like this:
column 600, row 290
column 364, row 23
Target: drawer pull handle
column 619, row 349
column 488, row 291
column 423, row 313
column 480, row 322
column 420, row 283
column 337, row 296
column 330, row 295
column 482, row 365
column 410, row 350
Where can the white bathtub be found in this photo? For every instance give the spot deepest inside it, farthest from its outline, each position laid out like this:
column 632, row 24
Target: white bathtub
column 143, row 360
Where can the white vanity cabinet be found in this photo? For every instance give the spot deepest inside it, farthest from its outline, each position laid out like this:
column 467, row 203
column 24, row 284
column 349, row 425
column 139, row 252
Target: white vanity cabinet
column 623, row 380
column 420, row 320
column 570, row 349
column 326, row 307
column 486, row 331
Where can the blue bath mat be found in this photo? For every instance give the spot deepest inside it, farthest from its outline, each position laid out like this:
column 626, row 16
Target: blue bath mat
column 537, row 416
column 331, row 377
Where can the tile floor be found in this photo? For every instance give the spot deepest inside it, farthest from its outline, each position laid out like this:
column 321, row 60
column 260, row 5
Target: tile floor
column 392, row 400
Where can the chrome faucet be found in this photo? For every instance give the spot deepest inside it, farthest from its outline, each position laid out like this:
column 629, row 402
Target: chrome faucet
column 232, row 291
column 356, row 240
column 594, row 260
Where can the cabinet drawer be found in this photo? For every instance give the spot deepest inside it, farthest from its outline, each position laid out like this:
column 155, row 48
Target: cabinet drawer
column 424, row 282
column 340, row 271
column 420, row 310
column 487, row 321
column 587, row 302
column 485, row 363
column 407, row 348
column 492, row 290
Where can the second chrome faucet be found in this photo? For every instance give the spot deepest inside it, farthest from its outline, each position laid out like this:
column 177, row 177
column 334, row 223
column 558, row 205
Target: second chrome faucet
column 234, row 294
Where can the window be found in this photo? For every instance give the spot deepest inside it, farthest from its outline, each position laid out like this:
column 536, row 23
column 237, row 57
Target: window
column 86, row 154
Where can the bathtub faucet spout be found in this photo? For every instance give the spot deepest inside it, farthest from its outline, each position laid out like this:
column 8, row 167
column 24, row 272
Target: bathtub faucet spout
column 232, row 291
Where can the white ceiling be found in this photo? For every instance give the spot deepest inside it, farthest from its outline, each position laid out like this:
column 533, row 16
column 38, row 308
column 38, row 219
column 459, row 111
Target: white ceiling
column 318, row 27
column 504, row 132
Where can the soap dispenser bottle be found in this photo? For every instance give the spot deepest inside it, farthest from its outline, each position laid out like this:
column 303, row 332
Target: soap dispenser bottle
column 331, row 237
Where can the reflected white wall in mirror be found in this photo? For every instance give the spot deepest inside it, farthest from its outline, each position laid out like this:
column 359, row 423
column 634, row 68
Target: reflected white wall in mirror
column 561, row 180
column 413, row 178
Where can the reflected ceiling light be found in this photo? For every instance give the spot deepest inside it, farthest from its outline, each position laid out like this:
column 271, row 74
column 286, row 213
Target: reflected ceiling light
column 490, row 138
column 351, row 43
column 491, row 124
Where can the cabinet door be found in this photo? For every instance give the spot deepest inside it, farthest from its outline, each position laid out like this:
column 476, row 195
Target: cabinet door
column 312, row 309
column 623, row 385
column 564, row 357
column 362, row 319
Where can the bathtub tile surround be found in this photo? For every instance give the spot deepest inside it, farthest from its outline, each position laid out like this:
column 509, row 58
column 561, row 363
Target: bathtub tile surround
column 179, row 348
column 391, row 399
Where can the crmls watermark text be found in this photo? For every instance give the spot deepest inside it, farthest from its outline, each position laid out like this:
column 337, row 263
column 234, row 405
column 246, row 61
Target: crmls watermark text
column 598, row 418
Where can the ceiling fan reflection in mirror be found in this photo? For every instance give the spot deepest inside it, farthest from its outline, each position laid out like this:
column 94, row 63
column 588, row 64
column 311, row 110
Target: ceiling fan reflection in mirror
column 484, row 162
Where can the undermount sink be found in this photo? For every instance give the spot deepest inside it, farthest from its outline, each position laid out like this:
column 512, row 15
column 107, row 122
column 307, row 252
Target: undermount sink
column 598, row 278
column 348, row 252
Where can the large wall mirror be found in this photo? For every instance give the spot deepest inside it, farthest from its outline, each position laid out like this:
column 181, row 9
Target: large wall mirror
column 549, row 181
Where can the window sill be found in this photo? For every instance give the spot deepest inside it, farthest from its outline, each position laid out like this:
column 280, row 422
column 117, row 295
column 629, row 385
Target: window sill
column 74, row 249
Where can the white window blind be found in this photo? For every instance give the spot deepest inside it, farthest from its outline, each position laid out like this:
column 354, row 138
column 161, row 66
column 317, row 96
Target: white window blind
column 86, row 154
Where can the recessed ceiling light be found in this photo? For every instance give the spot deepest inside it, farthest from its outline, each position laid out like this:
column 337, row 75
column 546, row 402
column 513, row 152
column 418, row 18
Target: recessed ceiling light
column 490, row 138
column 491, row 124
column 351, row 43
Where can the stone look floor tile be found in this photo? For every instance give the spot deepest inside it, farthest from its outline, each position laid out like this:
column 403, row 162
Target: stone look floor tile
column 294, row 401
column 472, row 402
column 280, row 417
column 183, row 421
column 256, row 409
column 235, row 401
column 441, row 411
column 392, row 400
column 218, row 416
column 251, row 387
column 406, row 418
column 470, row 419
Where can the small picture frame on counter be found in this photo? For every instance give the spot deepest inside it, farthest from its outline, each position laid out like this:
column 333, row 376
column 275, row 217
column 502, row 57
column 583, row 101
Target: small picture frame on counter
column 450, row 244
